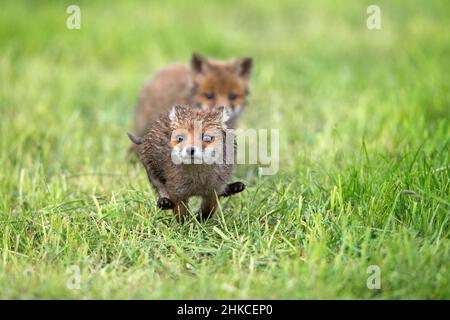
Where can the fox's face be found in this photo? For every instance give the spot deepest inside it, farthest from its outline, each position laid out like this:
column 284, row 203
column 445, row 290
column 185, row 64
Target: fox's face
column 221, row 83
column 197, row 135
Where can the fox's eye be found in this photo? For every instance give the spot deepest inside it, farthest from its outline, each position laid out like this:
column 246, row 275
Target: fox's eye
column 207, row 138
column 209, row 95
column 179, row 138
column 232, row 96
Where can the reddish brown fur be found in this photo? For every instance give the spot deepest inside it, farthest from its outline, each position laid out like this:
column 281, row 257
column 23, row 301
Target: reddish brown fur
column 190, row 84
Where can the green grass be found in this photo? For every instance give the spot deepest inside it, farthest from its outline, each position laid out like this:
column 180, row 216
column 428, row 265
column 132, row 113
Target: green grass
column 363, row 118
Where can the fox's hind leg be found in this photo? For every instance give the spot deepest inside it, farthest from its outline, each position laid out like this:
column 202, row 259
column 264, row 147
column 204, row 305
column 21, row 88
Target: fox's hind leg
column 180, row 210
column 208, row 206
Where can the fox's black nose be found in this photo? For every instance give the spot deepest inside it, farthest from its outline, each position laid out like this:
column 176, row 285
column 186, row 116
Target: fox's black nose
column 190, row 151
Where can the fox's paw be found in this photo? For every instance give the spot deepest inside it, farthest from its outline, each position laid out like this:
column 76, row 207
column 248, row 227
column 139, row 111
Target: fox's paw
column 165, row 203
column 233, row 188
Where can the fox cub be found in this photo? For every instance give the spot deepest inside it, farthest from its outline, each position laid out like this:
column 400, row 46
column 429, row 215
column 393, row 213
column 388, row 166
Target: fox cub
column 206, row 83
column 184, row 153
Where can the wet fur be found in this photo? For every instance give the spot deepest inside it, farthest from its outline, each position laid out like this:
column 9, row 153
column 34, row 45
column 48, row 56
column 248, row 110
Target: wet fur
column 176, row 183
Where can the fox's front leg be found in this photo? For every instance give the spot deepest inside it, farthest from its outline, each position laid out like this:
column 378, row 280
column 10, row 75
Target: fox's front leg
column 208, row 206
column 164, row 201
column 233, row 188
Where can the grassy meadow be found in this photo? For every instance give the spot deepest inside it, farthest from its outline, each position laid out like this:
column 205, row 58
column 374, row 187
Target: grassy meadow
column 364, row 173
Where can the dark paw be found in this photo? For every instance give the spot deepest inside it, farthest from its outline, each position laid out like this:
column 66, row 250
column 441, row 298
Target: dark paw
column 164, row 203
column 234, row 188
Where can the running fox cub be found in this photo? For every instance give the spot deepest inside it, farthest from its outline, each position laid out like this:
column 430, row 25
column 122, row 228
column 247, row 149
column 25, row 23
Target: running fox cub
column 204, row 83
column 184, row 153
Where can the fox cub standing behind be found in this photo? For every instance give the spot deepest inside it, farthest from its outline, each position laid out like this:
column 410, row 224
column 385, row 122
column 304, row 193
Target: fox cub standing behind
column 206, row 83
column 184, row 153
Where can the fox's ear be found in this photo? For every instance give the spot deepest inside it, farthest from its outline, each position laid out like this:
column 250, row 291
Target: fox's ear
column 245, row 67
column 173, row 114
column 198, row 63
column 134, row 139
column 224, row 116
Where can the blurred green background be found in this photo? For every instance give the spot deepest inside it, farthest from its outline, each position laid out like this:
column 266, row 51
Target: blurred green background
column 364, row 151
